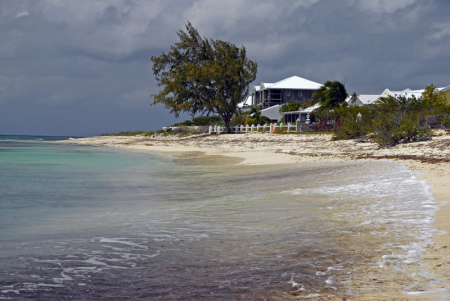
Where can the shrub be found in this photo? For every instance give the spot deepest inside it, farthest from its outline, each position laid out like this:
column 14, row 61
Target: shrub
column 400, row 119
column 397, row 127
column 238, row 120
column 184, row 123
column 349, row 126
column 289, row 107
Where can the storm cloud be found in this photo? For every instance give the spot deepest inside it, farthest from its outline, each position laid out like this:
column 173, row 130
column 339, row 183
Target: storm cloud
column 83, row 67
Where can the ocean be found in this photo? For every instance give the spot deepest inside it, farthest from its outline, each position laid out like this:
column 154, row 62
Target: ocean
column 94, row 223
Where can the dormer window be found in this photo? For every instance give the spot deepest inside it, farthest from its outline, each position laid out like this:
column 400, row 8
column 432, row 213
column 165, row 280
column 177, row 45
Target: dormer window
column 288, row 93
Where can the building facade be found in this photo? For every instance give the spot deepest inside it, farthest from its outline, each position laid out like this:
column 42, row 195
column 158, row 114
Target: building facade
column 293, row 88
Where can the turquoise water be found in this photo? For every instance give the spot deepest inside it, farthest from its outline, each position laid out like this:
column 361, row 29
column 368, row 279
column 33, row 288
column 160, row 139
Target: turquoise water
column 41, row 181
column 91, row 223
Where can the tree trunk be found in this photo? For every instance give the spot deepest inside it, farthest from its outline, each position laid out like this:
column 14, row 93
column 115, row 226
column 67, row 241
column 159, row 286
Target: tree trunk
column 227, row 119
column 227, row 124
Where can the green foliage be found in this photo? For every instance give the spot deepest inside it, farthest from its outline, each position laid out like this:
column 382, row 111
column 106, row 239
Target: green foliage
column 239, row 120
column 331, row 95
column 200, row 121
column 183, row 123
column 206, row 120
column 432, row 98
column 290, row 107
column 400, row 119
column 203, row 76
column 393, row 120
column 350, row 125
column 397, row 127
column 305, row 105
column 181, row 131
column 255, row 117
column 437, row 109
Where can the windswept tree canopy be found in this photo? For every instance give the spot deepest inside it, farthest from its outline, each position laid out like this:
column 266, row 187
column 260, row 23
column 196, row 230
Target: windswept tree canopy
column 255, row 117
column 203, row 76
column 331, row 95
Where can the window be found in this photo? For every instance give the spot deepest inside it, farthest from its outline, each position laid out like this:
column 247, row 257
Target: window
column 300, row 94
column 288, row 93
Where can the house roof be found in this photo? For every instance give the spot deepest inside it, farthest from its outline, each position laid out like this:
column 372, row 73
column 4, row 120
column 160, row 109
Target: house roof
column 409, row 93
column 247, row 102
column 273, row 112
column 256, row 88
column 307, row 110
column 295, row 82
column 445, row 89
column 364, row 99
column 265, row 85
column 406, row 93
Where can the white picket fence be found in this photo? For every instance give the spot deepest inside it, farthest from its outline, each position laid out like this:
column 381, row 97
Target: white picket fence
column 266, row 128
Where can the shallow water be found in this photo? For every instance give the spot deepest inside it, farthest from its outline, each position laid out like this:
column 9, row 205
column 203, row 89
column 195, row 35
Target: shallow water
column 95, row 223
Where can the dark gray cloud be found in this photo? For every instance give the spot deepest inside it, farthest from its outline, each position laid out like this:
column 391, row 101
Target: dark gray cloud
column 83, row 67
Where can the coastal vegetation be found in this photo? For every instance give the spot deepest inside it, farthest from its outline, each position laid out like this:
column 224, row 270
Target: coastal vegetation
column 393, row 119
column 255, row 117
column 290, row 106
column 202, row 76
column 331, row 95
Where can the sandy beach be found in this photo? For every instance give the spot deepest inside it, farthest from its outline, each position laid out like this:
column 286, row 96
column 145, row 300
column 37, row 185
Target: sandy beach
column 430, row 158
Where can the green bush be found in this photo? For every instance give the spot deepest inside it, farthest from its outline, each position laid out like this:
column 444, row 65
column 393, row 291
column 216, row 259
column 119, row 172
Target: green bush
column 290, row 106
column 351, row 128
column 400, row 119
column 239, row 120
column 399, row 127
column 348, row 126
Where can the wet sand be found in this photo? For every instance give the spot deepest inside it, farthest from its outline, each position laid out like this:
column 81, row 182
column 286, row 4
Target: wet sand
column 431, row 158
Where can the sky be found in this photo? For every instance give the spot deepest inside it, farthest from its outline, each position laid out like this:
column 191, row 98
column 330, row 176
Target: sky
column 82, row 68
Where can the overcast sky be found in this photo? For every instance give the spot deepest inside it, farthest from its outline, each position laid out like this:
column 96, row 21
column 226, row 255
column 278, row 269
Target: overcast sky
column 83, row 67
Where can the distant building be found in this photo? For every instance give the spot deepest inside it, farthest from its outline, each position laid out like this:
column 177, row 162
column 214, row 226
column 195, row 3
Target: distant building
column 406, row 93
column 247, row 104
column 417, row 93
column 301, row 115
column 293, row 88
column 362, row 100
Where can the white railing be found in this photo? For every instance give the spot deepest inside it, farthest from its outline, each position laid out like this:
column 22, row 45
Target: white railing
column 266, row 128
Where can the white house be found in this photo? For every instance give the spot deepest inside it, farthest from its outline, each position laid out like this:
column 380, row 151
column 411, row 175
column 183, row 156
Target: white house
column 293, row 88
column 303, row 115
column 362, row 100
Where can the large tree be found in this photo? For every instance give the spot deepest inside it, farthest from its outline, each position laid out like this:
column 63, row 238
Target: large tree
column 203, row 76
column 331, row 95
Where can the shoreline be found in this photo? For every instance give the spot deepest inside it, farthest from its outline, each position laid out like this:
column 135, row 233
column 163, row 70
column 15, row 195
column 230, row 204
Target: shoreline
column 430, row 158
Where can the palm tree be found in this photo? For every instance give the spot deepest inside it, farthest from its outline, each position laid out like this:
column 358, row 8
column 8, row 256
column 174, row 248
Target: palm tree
column 331, row 95
column 256, row 117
